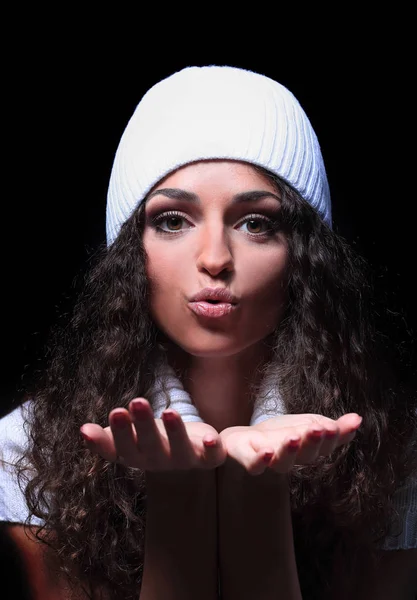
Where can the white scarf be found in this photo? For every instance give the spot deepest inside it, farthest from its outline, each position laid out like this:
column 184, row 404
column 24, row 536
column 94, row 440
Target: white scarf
column 268, row 403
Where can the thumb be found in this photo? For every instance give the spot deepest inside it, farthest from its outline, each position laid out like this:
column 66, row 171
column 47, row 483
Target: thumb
column 251, row 454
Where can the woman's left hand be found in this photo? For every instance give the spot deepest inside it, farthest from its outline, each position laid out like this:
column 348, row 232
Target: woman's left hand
column 288, row 440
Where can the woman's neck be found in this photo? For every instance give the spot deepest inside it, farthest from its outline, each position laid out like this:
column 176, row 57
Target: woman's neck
column 222, row 388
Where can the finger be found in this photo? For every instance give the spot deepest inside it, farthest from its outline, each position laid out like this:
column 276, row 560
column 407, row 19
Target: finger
column 100, row 441
column 214, row 451
column 254, row 457
column 348, row 424
column 311, row 442
column 279, row 460
column 182, row 452
column 285, row 457
column 250, row 457
column 330, row 441
column 149, row 442
column 323, row 438
column 125, row 438
column 188, row 452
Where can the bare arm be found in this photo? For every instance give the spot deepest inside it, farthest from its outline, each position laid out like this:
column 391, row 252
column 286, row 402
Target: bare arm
column 181, row 536
column 180, row 560
column 256, row 546
column 256, row 550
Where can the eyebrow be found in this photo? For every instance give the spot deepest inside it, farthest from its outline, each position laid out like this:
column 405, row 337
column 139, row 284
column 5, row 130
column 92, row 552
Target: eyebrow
column 178, row 194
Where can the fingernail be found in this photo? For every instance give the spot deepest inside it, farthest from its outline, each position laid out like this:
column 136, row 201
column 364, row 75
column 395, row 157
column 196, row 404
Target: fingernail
column 316, row 435
column 293, row 445
column 139, row 410
column 119, row 419
column 267, row 457
column 210, row 442
column 170, row 421
column 85, row 436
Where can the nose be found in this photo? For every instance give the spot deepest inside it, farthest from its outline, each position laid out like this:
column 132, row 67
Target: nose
column 214, row 254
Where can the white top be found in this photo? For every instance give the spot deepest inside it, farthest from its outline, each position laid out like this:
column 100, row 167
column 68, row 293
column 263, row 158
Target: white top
column 13, row 441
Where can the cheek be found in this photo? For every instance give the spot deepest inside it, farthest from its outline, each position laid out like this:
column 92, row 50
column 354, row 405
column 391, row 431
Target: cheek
column 267, row 275
column 167, row 286
column 159, row 272
column 267, row 285
column 161, row 267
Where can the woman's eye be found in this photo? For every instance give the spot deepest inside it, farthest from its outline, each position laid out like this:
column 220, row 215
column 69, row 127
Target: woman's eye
column 257, row 225
column 173, row 221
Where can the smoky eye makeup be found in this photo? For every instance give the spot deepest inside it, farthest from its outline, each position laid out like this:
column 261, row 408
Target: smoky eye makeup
column 184, row 209
column 254, row 225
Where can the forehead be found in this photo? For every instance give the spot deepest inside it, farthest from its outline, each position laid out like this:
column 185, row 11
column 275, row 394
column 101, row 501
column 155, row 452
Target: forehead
column 217, row 176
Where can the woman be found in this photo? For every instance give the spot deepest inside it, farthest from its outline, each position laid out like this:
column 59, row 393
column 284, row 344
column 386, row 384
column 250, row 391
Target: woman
column 224, row 369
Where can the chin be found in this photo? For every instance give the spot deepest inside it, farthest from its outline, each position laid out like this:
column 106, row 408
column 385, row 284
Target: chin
column 212, row 353
column 211, row 343
column 220, row 348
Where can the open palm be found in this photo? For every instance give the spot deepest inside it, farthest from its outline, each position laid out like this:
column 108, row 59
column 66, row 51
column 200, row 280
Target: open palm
column 283, row 441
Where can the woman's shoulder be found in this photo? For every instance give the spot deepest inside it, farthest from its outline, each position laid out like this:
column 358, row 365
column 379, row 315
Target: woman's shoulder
column 13, row 443
column 13, row 438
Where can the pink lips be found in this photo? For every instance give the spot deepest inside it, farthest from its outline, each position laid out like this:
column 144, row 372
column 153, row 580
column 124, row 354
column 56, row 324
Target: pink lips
column 225, row 302
column 205, row 309
column 219, row 294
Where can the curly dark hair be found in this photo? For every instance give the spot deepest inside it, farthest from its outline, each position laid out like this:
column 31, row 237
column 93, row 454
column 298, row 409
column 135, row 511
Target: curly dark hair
column 328, row 358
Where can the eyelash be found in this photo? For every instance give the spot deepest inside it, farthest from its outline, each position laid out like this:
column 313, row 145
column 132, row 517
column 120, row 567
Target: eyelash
column 253, row 217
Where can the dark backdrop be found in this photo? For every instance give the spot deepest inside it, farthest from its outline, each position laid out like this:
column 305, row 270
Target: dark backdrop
column 69, row 100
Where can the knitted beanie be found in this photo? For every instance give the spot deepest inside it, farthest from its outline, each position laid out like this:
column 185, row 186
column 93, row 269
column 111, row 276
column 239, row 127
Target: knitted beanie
column 215, row 112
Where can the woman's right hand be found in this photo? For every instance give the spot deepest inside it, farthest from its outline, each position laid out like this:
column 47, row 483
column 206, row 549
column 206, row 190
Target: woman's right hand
column 136, row 439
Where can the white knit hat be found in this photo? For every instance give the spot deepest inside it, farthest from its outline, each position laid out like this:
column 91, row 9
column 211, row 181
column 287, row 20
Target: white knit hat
column 215, row 112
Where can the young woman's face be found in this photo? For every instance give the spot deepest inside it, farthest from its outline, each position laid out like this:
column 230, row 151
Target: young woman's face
column 218, row 237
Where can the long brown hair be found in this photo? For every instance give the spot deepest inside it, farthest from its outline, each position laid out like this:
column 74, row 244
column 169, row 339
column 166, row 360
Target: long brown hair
column 328, row 358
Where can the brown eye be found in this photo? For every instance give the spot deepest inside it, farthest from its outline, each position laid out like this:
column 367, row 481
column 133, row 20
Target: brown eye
column 175, row 222
column 258, row 225
column 169, row 222
column 255, row 224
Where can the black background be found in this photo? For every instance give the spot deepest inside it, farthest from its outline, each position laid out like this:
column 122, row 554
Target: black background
column 70, row 90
